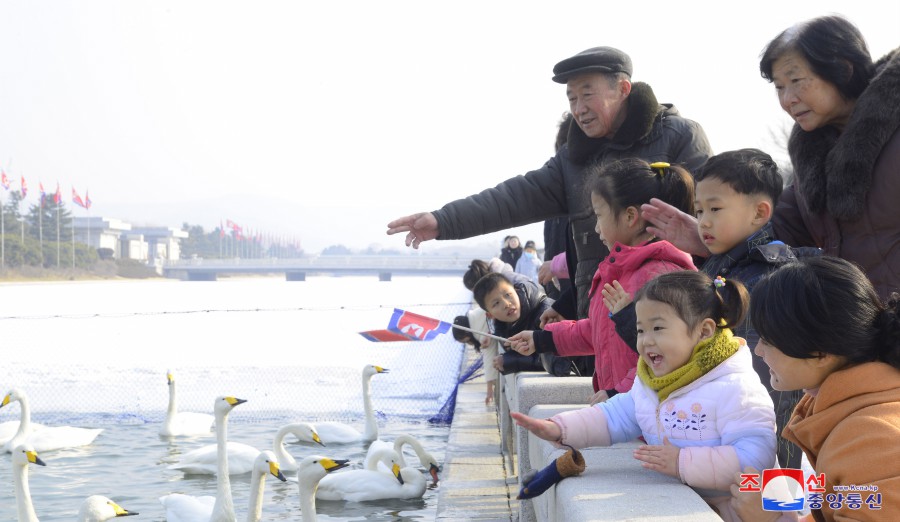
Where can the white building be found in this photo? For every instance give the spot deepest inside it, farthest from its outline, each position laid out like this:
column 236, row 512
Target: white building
column 129, row 242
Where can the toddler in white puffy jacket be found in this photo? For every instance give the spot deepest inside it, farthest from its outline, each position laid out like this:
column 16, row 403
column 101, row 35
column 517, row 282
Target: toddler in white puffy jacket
column 697, row 401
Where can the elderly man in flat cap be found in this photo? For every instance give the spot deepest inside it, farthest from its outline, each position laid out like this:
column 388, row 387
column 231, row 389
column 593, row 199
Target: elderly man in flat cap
column 615, row 119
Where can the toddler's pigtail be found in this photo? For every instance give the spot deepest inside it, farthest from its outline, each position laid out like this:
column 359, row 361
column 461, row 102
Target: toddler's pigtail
column 734, row 301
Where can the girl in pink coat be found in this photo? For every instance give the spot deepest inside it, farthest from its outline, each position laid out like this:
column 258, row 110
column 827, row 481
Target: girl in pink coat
column 617, row 191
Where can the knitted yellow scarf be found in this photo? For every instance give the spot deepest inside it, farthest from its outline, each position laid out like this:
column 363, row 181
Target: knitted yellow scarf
column 708, row 354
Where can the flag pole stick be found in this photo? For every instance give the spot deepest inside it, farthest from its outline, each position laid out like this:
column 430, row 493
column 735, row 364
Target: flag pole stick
column 492, row 336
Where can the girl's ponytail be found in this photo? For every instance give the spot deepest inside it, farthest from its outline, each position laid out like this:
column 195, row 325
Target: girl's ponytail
column 676, row 186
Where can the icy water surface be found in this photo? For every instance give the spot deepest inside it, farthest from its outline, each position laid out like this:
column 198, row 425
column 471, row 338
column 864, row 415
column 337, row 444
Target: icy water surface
column 95, row 354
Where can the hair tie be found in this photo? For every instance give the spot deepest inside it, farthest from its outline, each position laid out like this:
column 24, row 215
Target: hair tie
column 660, row 167
column 718, row 282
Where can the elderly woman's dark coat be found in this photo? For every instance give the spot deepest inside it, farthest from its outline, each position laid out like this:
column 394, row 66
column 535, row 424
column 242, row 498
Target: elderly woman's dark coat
column 845, row 196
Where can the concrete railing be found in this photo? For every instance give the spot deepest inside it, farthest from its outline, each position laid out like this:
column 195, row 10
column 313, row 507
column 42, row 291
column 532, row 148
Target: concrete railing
column 614, row 486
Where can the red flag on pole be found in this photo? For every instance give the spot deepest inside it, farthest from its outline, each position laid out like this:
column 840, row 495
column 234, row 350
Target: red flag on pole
column 4, row 180
column 57, row 198
column 77, row 199
column 87, row 200
column 24, row 188
column 43, row 194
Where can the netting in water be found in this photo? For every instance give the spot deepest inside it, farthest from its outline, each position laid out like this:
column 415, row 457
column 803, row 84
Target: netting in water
column 445, row 414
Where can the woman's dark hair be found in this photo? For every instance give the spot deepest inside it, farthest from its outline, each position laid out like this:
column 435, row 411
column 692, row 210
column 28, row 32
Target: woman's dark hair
column 477, row 269
column 834, row 48
column 631, row 182
column 464, row 336
column 695, row 297
column 826, row 305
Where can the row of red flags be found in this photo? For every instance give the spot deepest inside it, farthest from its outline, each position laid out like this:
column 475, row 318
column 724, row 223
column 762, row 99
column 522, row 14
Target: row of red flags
column 57, row 197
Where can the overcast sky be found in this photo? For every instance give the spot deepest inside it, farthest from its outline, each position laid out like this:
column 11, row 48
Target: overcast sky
column 324, row 120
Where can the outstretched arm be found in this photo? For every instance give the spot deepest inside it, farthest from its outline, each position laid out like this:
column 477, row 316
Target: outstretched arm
column 674, row 226
column 418, row 227
column 543, row 428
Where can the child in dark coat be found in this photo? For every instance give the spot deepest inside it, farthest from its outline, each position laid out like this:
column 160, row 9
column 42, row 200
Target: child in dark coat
column 514, row 308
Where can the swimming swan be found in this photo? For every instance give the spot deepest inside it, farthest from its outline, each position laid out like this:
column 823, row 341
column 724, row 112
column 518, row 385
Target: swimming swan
column 9, row 428
column 48, row 438
column 187, row 508
column 339, row 433
column 425, row 458
column 223, row 507
column 98, row 508
column 203, row 461
column 93, row 509
column 370, row 484
column 309, row 472
column 183, row 422
column 22, row 456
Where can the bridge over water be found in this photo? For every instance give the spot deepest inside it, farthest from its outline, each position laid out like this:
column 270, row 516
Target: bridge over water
column 384, row 267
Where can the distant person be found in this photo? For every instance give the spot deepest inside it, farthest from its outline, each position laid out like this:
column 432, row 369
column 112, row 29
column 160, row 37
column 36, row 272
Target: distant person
column 845, row 150
column 511, row 251
column 479, row 268
column 824, row 330
column 617, row 191
column 514, row 308
column 614, row 119
column 529, row 263
column 476, row 319
column 697, row 402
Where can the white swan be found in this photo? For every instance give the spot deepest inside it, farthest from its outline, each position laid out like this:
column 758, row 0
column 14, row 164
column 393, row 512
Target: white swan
column 188, row 509
column 425, row 459
column 98, row 508
column 309, row 472
column 182, row 509
column 183, row 422
column 48, row 438
column 22, row 456
column 204, row 461
column 340, row 433
column 9, row 428
column 370, row 484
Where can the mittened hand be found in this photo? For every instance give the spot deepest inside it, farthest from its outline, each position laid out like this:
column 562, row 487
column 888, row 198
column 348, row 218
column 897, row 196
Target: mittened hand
column 571, row 463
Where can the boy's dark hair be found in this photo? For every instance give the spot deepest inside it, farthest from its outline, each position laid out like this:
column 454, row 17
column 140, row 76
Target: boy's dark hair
column 631, row 182
column 694, row 297
column 826, row 304
column 835, row 49
column 477, row 269
column 746, row 171
column 462, row 335
column 486, row 285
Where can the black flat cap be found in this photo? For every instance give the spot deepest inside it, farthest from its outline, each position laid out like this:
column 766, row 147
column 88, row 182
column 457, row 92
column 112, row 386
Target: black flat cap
column 593, row 60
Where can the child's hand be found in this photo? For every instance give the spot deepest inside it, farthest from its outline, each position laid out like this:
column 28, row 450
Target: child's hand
column 615, row 297
column 597, row 398
column 543, row 428
column 663, row 459
column 550, row 316
column 523, row 342
column 498, row 363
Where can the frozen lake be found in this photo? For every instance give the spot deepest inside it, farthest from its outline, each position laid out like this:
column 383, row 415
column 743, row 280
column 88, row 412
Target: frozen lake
column 95, row 354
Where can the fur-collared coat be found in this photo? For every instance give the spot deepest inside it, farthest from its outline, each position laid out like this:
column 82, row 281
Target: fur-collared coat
column 845, row 197
column 651, row 131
